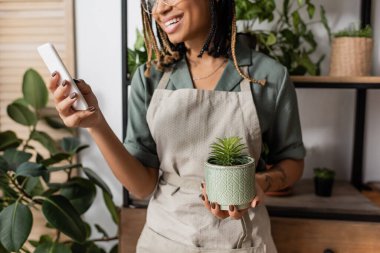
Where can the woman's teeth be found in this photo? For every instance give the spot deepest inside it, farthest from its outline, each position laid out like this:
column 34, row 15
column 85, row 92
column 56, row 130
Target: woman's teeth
column 172, row 22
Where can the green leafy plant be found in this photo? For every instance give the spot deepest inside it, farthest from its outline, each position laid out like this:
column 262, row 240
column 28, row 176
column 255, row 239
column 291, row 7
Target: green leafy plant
column 228, row 151
column 290, row 40
column 137, row 55
column 352, row 31
column 25, row 181
column 324, row 173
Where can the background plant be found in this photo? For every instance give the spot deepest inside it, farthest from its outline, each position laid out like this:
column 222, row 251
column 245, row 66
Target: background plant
column 136, row 55
column 324, row 173
column 290, row 39
column 228, row 151
column 25, row 182
column 352, row 31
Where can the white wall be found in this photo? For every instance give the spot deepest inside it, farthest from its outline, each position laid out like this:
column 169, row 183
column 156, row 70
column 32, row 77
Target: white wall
column 98, row 44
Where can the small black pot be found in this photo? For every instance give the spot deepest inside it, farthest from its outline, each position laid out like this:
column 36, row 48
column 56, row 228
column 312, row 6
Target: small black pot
column 323, row 186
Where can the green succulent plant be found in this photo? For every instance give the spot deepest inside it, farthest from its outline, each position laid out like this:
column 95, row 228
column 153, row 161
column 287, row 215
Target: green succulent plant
column 228, row 151
column 324, row 173
column 352, row 31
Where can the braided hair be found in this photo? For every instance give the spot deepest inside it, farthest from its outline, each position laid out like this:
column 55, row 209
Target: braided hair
column 220, row 42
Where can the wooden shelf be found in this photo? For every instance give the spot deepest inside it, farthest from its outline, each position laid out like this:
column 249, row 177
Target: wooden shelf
column 346, row 203
column 331, row 82
column 337, row 79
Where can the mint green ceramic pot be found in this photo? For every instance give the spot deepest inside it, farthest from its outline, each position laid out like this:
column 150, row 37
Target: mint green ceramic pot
column 231, row 185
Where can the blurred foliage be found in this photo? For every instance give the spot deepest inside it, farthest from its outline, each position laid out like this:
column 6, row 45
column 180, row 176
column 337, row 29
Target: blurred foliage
column 25, row 181
column 290, row 39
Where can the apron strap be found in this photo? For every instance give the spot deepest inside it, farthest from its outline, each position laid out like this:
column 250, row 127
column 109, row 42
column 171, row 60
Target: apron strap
column 186, row 184
column 245, row 85
column 165, row 79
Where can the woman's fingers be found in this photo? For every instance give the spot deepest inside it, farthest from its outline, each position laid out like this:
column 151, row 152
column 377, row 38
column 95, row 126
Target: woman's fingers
column 76, row 118
column 206, row 203
column 236, row 213
column 64, row 107
column 84, row 88
column 53, row 84
column 215, row 210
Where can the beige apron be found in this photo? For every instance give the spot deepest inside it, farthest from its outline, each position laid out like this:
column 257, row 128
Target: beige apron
column 183, row 124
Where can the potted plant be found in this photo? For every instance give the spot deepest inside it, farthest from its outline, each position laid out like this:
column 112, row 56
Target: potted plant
column 323, row 181
column 290, row 39
column 26, row 185
column 230, row 174
column 351, row 52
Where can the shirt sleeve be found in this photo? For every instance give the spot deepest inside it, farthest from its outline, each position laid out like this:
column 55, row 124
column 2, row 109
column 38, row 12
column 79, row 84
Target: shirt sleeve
column 284, row 137
column 139, row 141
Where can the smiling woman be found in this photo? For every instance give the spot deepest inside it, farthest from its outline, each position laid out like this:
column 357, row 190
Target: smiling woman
column 201, row 82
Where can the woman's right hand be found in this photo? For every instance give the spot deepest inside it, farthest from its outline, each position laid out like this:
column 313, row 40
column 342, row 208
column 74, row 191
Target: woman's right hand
column 63, row 101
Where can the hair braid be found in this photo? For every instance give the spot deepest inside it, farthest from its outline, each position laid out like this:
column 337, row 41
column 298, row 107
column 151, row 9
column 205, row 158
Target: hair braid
column 233, row 52
column 148, row 45
column 214, row 23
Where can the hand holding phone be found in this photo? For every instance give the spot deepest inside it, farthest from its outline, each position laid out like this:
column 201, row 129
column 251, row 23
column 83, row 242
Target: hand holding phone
column 54, row 63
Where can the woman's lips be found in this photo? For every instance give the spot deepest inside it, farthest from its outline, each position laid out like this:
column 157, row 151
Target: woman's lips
column 172, row 25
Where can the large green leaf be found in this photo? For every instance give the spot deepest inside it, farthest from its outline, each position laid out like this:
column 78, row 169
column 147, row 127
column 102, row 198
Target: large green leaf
column 15, row 157
column 64, row 167
column 3, row 165
column 29, row 169
column 51, row 247
column 45, row 140
column 80, row 192
column 34, row 89
column 88, row 247
column 97, row 180
column 33, row 186
column 111, row 207
column 72, row 145
column 21, row 114
column 56, row 158
column 55, row 122
column 62, row 215
column 8, row 139
column 15, row 225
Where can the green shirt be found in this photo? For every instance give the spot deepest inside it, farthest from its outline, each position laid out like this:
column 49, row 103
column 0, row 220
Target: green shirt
column 276, row 105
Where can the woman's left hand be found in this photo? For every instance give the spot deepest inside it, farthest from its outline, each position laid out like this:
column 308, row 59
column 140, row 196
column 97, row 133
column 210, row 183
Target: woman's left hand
column 233, row 212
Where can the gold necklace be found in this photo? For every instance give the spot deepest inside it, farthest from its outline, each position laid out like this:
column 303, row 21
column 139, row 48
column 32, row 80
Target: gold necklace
column 212, row 73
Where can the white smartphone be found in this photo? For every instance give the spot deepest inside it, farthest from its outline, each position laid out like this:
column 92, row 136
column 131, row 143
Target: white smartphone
column 52, row 60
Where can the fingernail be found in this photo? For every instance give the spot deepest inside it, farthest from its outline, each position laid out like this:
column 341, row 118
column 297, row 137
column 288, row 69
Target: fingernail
column 91, row 108
column 202, row 185
column 65, row 83
column 213, row 205
column 203, row 198
column 232, row 208
column 73, row 95
column 54, row 74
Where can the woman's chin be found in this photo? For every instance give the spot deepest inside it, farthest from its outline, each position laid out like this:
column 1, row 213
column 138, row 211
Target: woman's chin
column 175, row 39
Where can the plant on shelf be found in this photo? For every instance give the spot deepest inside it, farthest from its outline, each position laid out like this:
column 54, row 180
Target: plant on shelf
column 230, row 174
column 290, row 39
column 351, row 51
column 25, row 184
column 137, row 55
column 352, row 31
column 323, row 181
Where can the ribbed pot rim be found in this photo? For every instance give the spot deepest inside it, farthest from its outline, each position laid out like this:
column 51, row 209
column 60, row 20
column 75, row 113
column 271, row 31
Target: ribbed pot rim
column 241, row 166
